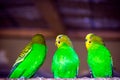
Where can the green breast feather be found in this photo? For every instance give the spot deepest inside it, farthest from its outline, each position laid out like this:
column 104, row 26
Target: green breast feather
column 99, row 60
column 65, row 62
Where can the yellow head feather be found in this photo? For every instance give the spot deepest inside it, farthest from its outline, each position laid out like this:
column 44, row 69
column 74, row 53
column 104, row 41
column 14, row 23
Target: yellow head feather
column 38, row 38
column 93, row 38
column 63, row 39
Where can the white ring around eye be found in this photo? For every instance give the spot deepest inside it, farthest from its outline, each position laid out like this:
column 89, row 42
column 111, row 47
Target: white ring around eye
column 60, row 36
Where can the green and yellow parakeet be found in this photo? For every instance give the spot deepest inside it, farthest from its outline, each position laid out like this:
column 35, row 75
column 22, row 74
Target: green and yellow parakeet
column 30, row 59
column 65, row 63
column 99, row 57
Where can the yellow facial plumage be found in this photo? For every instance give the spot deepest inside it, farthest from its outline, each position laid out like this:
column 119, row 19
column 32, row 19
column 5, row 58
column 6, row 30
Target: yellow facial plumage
column 62, row 39
column 93, row 38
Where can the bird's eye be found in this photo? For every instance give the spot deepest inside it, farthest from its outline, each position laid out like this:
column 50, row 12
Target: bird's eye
column 59, row 37
column 89, row 41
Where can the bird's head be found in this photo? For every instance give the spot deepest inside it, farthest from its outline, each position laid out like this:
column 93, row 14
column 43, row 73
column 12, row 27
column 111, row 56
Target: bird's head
column 90, row 38
column 38, row 38
column 60, row 39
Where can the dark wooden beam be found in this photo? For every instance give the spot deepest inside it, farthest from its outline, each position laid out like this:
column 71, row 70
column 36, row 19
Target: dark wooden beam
column 96, row 15
column 35, row 23
column 99, row 9
column 79, row 34
column 50, row 14
column 109, row 35
column 15, row 3
column 73, row 4
column 25, row 33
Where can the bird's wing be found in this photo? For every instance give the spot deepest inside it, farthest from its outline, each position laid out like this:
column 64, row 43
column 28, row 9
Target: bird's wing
column 23, row 54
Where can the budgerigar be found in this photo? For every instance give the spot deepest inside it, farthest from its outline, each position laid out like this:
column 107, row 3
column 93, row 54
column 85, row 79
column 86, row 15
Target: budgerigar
column 65, row 63
column 99, row 57
column 30, row 58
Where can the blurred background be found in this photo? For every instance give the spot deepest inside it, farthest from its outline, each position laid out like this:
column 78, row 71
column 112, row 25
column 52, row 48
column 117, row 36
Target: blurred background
column 21, row 19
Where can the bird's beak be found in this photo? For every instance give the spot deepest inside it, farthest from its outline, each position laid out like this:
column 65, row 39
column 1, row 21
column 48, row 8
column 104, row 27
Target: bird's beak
column 55, row 43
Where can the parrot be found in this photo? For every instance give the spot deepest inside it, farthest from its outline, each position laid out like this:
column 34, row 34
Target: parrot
column 65, row 61
column 99, row 58
column 30, row 58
